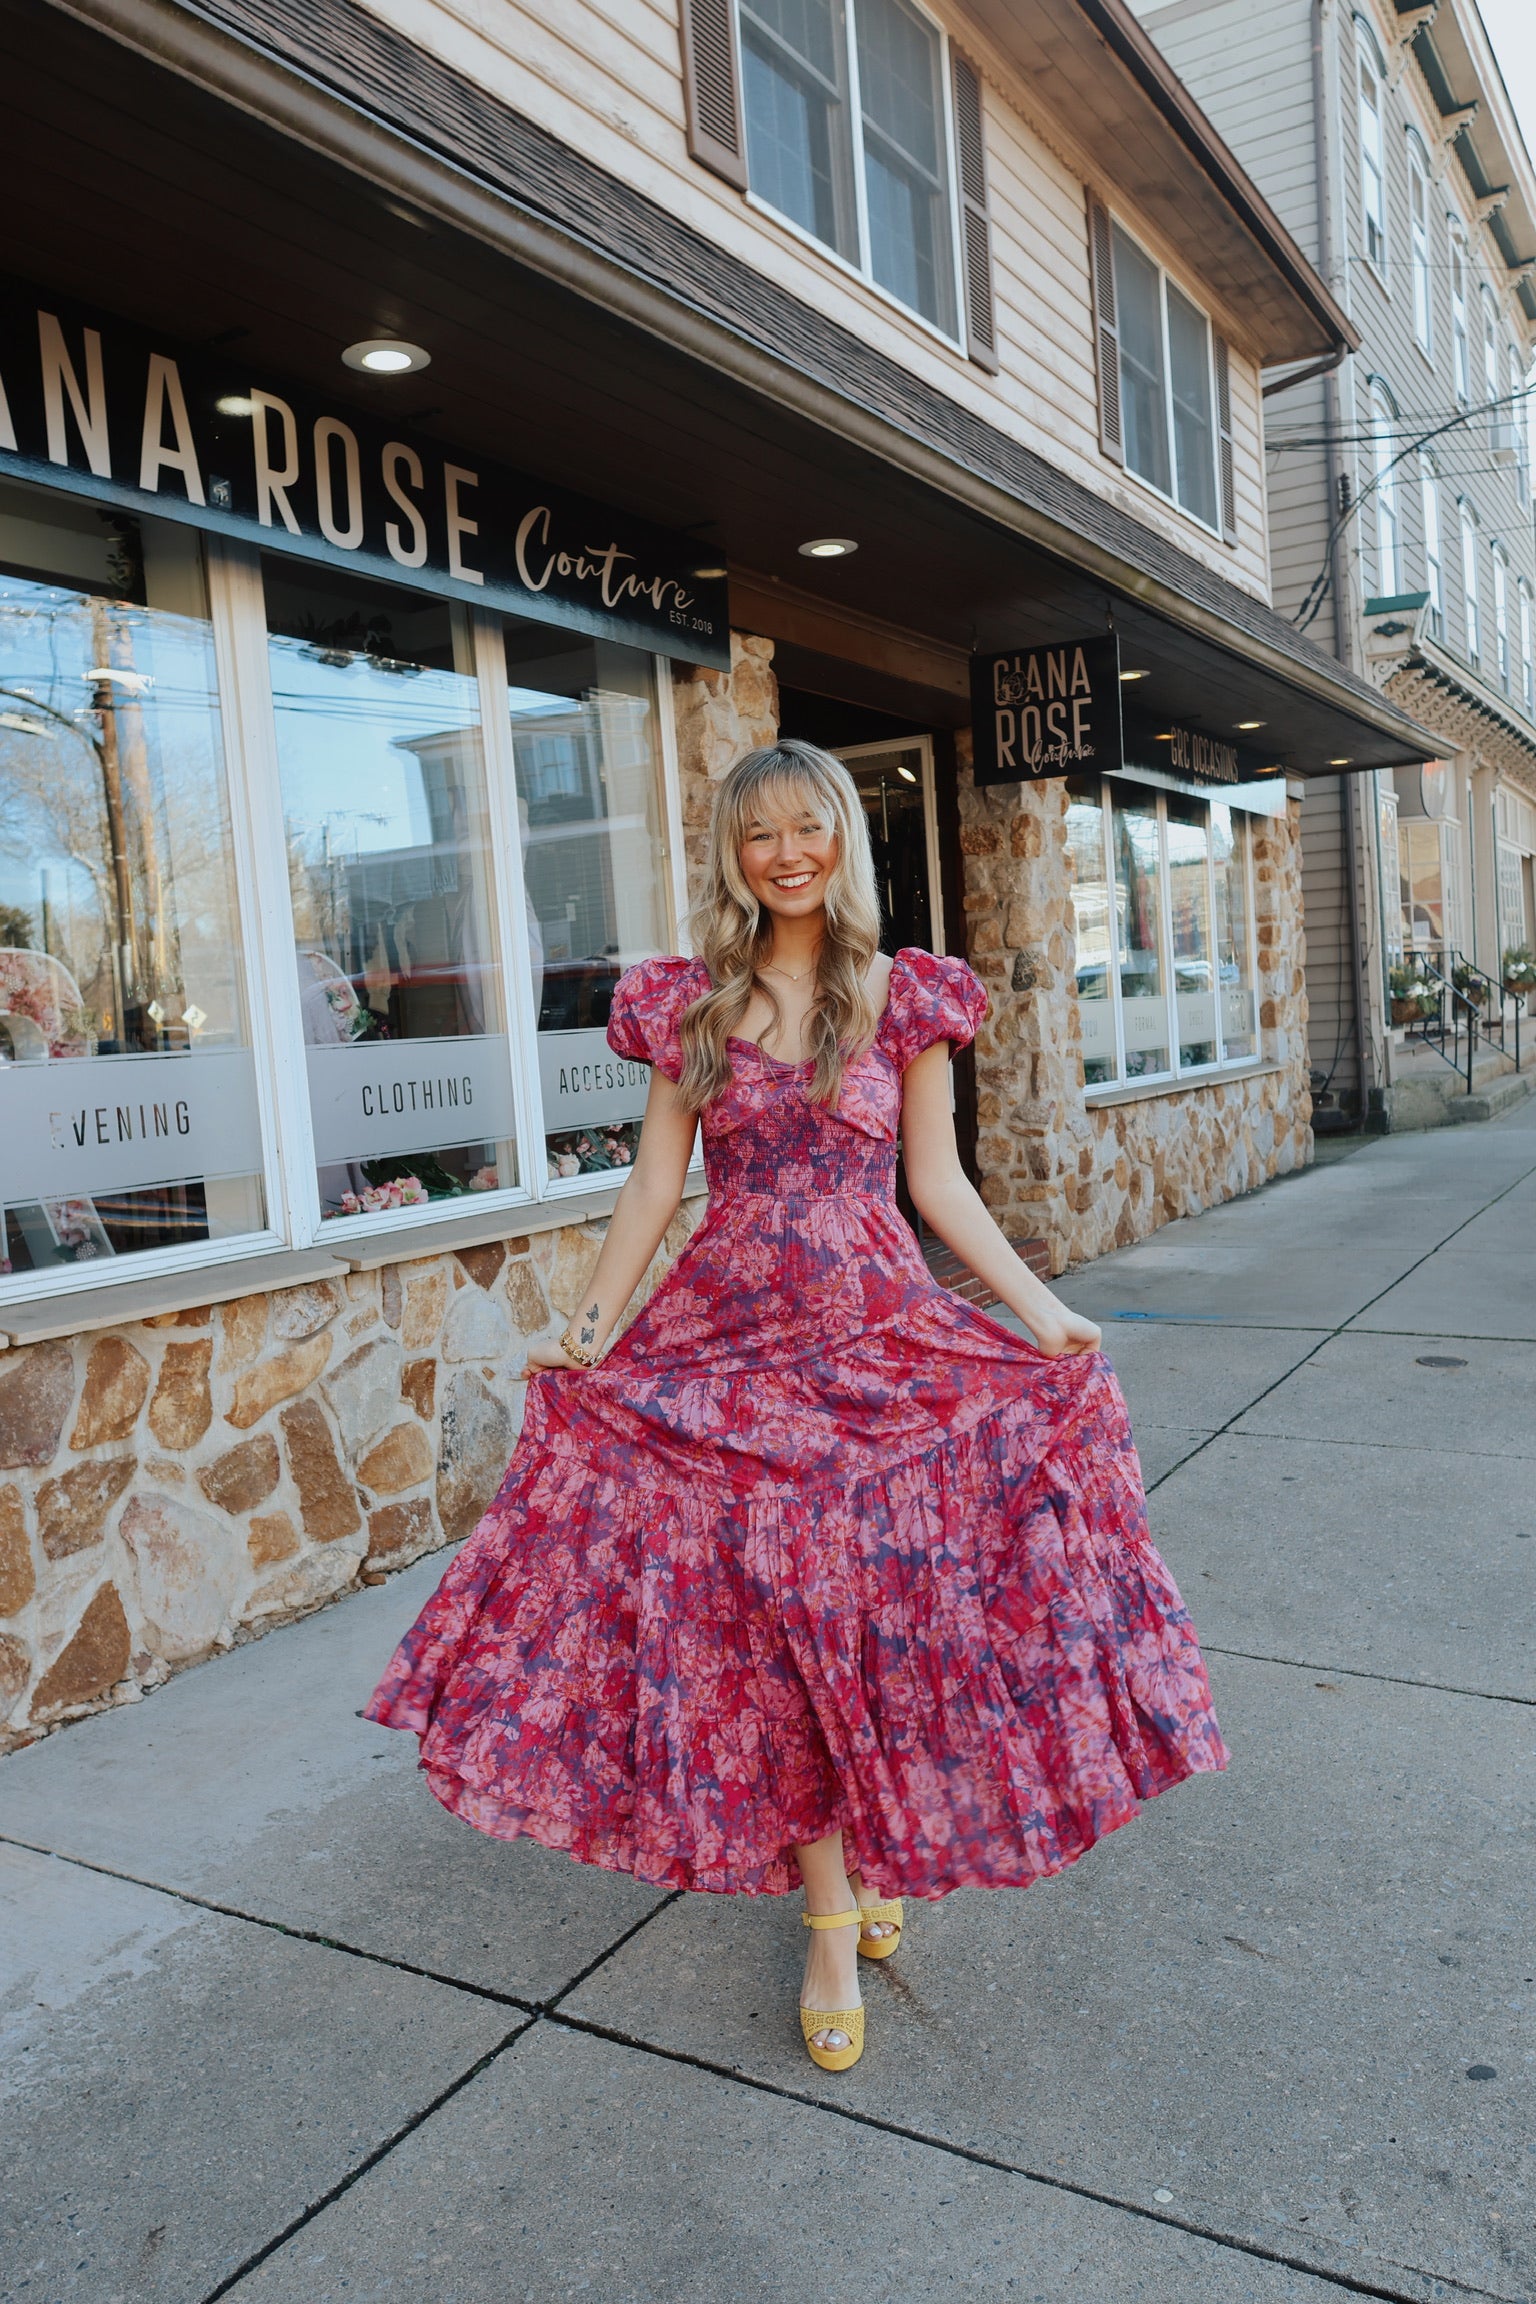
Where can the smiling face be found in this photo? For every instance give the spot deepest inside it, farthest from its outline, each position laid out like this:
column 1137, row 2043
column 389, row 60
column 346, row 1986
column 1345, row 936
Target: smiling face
column 788, row 854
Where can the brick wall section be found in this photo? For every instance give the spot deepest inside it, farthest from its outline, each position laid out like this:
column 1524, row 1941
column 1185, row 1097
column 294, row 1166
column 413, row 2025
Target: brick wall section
column 1087, row 1179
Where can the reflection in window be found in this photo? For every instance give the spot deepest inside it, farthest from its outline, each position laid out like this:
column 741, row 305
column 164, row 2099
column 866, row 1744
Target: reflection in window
column 1138, row 908
column 808, row 144
column 1189, row 913
column 794, row 72
column 383, row 781
column 594, row 869
column 1230, row 836
column 131, row 1116
column 1090, row 924
column 1166, row 378
column 906, row 181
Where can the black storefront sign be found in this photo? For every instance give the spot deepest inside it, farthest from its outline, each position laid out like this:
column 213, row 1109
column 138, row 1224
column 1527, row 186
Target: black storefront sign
column 90, row 404
column 1192, row 754
column 1038, row 712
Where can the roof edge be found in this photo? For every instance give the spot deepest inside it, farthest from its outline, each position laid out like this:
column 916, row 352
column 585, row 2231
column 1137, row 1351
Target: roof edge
column 1139, row 54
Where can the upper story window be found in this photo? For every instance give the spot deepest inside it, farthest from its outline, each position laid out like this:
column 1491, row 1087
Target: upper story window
column 1472, row 632
column 1461, row 359
column 1373, row 182
column 1501, row 616
column 1490, row 348
column 848, row 137
column 1527, row 669
column 1418, row 244
column 1167, row 383
column 1519, row 432
column 1434, row 570
column 1388, row 530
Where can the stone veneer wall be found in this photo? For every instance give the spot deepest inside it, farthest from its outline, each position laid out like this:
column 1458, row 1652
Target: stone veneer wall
column 1084, row 1178
column 177, row 1484
column 171, row 1486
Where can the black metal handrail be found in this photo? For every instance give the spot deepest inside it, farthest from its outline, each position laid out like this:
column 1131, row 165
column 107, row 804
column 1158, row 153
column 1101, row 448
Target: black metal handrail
column 1462, row 1011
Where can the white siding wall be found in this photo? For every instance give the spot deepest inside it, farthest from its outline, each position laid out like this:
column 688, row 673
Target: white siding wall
column 605, row 77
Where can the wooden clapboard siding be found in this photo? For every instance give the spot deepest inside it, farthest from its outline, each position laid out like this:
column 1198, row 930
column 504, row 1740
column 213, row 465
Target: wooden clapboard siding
column 605, row 76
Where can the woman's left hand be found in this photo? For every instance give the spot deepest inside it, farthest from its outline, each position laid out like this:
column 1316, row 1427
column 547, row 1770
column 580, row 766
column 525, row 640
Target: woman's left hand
column 1061, row 1332
column 548, row 1352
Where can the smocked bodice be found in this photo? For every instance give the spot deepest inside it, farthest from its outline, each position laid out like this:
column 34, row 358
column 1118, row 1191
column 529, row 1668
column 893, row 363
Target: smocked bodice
column 763, row 1135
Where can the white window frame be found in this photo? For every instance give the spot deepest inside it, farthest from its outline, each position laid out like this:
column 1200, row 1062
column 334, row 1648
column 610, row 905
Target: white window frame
column 1418, row 247
column 861, row 271
column 237, row 614
column 1503, row 665
column 1527, row 666
column 1389, row 527
column 1373, row 152
column 1164, row 279
column 1461, row 349
column 1434, row 545
column 1176, row 1072
column 1472, row 623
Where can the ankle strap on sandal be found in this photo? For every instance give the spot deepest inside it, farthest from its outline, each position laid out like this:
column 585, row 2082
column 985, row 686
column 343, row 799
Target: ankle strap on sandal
column 832, row 1919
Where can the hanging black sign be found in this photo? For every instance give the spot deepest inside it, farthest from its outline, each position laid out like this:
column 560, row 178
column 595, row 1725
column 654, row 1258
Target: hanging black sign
column 1046, row 711
column 90, row 404
column 1190, row 753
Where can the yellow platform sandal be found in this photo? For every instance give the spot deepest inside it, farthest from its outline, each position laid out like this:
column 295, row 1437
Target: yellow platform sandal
column 849, row 2021
column 888, row 1910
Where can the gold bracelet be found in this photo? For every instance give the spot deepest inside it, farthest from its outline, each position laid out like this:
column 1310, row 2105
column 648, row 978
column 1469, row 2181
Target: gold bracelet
column 575, row 1352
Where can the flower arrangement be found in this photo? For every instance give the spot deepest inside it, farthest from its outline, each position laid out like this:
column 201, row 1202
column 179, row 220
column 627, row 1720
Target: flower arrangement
column 1413, row 995
column 484, row 1180
column 592, row 1151
column 375, row 1199
column 1469, row 983
column 1519, row 971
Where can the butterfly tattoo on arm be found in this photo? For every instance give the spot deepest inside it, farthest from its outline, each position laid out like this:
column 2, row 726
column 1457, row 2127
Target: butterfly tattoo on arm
column 589, row 1327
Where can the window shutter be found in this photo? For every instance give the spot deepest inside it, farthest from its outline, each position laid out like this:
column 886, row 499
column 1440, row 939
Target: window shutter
column 1224, row 442
column 980, row 313
column 1106, row 330
column 712, row 79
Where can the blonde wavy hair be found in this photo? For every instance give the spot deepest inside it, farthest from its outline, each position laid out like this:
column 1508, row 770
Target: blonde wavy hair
column 733, row 935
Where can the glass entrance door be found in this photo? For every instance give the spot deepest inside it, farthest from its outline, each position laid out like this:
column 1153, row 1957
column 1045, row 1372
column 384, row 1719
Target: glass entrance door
column 895, row 783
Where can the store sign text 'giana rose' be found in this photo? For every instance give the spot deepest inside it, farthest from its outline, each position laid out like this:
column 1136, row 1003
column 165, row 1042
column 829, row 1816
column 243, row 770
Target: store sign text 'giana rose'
column 1053, row 711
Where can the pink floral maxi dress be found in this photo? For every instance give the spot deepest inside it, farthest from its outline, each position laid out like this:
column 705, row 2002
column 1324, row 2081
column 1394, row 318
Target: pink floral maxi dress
column 817, row 1546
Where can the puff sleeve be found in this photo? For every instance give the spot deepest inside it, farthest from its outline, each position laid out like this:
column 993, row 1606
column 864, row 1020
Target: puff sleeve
column 647, row 1011
column 931, row 998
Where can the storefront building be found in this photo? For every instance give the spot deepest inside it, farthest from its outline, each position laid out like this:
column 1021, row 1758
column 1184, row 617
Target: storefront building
column 1401, row 510
column 357, row 724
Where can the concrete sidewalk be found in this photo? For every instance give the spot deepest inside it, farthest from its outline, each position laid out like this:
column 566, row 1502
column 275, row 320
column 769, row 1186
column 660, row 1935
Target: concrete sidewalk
column 276, row 2029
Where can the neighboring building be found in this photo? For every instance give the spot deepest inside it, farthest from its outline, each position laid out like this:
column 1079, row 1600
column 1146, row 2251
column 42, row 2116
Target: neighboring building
column 1399, row 487
column 343, row 764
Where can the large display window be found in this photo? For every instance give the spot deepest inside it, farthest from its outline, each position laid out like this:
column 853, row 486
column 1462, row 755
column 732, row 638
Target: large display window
column 407, row 1053
column 1163, row 912
column 132, row 1120
column 323, row 963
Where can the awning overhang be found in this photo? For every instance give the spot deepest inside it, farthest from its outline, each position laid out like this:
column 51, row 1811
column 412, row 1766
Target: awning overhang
column 168, row 160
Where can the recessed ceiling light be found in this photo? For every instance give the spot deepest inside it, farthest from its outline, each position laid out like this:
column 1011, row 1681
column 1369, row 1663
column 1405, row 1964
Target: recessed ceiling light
column 235, row 404
column 905, row 772
column 1250, row 723
column 828, row 548
column 385, row 356
column 1340, row 763
column 707, row 575
column 1166, row 737
column 1135, row 675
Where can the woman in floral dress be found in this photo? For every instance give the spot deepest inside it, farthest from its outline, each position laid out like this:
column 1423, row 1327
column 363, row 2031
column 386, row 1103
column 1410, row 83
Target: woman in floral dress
column 815, row 1576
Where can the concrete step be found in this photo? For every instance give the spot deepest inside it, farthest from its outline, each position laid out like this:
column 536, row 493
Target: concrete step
column 1440, row 1099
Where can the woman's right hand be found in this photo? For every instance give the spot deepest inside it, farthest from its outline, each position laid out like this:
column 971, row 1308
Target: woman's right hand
column 549, row 1352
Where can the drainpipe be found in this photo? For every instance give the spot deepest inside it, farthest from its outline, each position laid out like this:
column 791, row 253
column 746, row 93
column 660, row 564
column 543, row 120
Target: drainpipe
column 1349, row 810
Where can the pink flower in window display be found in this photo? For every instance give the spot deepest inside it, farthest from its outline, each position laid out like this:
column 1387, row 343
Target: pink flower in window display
column 485, row 1180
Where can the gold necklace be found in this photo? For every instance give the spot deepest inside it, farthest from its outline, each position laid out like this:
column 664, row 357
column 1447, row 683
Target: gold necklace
column 771, row 968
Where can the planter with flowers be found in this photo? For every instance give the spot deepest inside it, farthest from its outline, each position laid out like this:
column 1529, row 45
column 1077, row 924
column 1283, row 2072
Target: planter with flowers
column 1519, row 972
column 1469, row 984
column 1412, row 995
